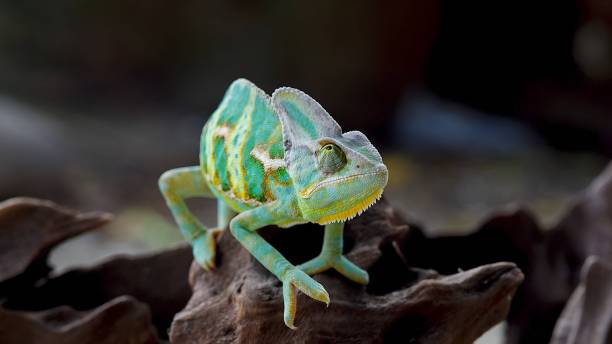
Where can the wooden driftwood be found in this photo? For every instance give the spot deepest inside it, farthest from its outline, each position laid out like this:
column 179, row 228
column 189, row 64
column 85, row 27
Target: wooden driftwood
column 587, row 317
column 133, row 299
column 550, row 258
column 125, row 299
column 416, row 293
column 29, row 229
column 241, row 302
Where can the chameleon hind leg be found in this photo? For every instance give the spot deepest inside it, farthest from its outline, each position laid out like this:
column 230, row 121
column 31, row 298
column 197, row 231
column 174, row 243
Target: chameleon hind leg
column 179, row 184
column 331, row 257
column 244, row 228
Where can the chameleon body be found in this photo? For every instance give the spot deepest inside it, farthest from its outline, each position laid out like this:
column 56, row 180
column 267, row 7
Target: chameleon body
column 279, row 160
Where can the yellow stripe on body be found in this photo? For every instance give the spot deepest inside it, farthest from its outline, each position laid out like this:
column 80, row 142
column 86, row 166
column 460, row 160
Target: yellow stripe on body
column 237, row 173
column 213, row 123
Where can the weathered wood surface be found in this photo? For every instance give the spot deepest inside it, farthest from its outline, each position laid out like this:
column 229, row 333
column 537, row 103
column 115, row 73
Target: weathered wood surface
column 29, row 229
column 587, row 316
column 124, row 299
column 416, row 292
column 241, row 302
column 550, row 258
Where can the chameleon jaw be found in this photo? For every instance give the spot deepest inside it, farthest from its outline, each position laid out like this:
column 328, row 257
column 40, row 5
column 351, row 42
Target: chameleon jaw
column 357, row 209
column 309, row 191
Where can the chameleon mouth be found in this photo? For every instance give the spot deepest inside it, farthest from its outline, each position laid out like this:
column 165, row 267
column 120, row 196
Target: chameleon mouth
column 357, row 209
column 311, row 190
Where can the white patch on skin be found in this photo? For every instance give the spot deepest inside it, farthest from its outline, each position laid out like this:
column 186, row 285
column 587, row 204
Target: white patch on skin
column 231, row 195
column 261, row 154
column 222, row 131
column 251, row 202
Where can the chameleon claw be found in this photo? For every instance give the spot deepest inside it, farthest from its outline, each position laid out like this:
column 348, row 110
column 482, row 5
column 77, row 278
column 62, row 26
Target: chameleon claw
column 216, row 232
column 290, row 301
column 309, row 286
column 204, row 250
column 298, row 280
column 325, row 299
column 210, row 265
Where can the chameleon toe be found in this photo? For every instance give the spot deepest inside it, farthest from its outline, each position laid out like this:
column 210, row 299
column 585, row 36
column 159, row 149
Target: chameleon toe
column 309, row 286
column 339, row 263
column 204, row 250
column 318, row 293
column 290, row 303
column 351, row 271
column 314, row 266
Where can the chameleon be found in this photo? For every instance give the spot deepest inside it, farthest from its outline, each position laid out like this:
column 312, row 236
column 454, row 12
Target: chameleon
column 277, row 160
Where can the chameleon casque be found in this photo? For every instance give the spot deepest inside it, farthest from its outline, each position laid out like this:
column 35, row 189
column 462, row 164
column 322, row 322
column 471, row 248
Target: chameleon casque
column 279, row 160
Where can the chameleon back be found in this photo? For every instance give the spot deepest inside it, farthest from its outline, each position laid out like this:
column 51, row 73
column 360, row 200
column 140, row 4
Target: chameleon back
column 241, row 149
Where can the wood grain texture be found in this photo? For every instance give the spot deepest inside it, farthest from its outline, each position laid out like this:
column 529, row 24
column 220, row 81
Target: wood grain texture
column 240, row 302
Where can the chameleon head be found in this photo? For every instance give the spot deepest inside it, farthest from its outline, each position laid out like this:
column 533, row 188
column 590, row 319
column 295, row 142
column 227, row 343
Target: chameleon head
column 336, row 176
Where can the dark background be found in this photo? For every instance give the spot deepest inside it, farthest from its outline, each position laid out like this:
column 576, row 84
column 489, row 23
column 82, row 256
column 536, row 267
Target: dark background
column 547, row 63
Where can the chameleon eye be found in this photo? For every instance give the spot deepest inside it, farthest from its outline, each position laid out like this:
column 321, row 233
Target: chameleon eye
column 331, row 158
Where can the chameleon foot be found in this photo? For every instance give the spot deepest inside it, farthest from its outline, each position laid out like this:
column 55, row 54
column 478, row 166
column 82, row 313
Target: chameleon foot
column 298, row 280
column 205, row 248
column 339, row 263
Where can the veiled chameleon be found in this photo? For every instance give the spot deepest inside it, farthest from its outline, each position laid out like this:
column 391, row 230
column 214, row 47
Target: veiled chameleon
column 279, row 160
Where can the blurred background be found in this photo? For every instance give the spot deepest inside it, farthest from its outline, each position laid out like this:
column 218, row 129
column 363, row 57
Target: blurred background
column 474, row 105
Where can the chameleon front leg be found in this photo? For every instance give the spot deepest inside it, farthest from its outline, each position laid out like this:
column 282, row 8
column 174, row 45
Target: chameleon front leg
column 331, row 257
column 178, row 184
column 244, row 227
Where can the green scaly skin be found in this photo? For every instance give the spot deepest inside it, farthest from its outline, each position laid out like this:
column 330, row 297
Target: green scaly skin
column 279, row 160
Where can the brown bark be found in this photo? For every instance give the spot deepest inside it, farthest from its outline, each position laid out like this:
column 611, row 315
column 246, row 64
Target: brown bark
column 123, row 300
column 241, row 302
column 587, row 316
